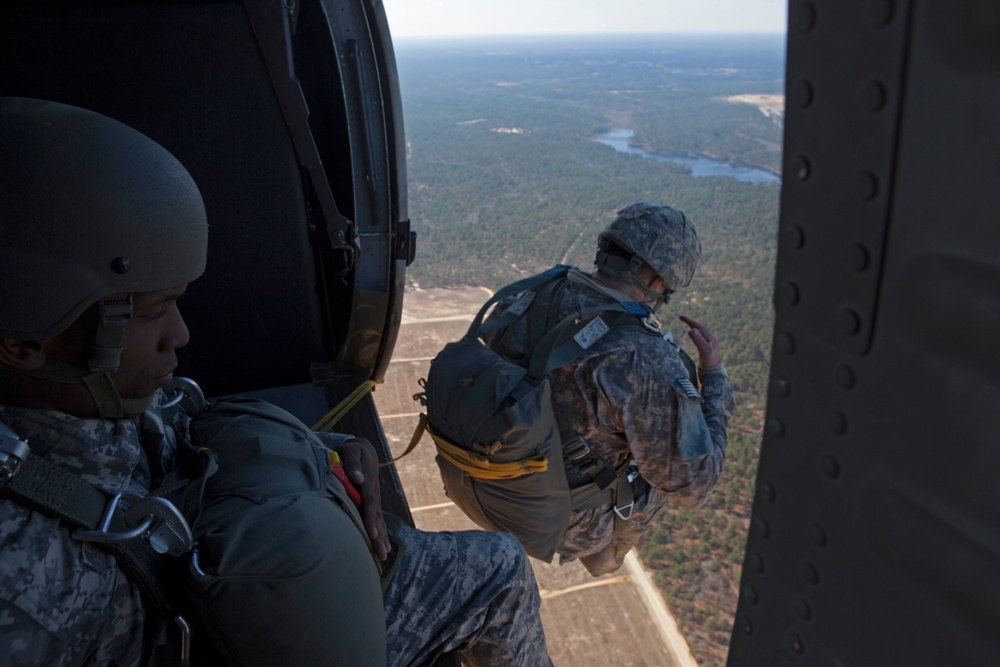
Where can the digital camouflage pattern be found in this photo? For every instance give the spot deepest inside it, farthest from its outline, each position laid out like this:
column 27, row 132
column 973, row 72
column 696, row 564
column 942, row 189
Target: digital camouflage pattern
column 486, row 599
column 620, row 396
column 64, row 602
column 661, row 236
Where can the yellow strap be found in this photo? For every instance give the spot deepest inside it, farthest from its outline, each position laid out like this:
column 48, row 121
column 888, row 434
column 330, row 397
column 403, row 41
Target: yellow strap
column 417, row 434
column 477, row 465
column 480, row 466
column 337, row 413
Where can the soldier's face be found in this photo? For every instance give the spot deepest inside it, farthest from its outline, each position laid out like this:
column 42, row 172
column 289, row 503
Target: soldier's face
column 151, row 338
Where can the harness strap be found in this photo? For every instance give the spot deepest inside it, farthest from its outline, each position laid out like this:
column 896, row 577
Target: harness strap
column 50, row 489
column 57, row 492
column 579, row 455
column 541, row 317
column 621, row 496
column 54, row 491
column 477, row 328
column 559, row 347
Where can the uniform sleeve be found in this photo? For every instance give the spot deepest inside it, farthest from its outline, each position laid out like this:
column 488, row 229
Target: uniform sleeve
column 334, row 440
column 62, row 602
column 677, row 438
column 25, row 642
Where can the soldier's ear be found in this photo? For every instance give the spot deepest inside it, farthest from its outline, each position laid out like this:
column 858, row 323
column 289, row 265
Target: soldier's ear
column 26, row 354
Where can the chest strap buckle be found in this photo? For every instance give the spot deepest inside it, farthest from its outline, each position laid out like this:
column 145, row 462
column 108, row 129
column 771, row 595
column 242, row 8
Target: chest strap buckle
column 157, row 518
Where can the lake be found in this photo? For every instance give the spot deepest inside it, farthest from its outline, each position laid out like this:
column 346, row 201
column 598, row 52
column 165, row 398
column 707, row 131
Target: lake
column 700, row 166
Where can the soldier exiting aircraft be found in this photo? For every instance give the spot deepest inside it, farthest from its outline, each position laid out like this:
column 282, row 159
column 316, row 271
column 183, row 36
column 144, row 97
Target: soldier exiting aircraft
column 630, row 396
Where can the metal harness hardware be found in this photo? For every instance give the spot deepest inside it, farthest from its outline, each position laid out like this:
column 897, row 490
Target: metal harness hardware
column 186, row 632
column 629, row 477
column 13, row 452
column 187, row 394
column 156, row 518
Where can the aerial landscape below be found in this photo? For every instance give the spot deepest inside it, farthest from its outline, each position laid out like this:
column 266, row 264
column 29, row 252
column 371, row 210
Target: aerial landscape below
column 507, row 176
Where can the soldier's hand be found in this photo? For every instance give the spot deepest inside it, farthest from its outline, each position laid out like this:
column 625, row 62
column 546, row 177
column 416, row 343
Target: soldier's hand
column 361, row 465
column 704, row 340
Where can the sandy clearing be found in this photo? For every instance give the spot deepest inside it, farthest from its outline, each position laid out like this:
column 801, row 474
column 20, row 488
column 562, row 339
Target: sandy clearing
column 769, row 105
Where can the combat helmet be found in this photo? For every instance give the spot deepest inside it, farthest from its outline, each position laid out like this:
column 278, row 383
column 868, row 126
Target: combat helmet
column 92, row 211
column 654, row 234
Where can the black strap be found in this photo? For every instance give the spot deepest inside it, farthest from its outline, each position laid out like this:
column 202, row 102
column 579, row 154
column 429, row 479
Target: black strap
column 45, row 487
column 619, row 493
column 578, row 453
column 56, row 492
column 478, row 328
column 543, row 314
column 273, row 27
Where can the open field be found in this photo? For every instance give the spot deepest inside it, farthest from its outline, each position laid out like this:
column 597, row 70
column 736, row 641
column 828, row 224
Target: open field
column 772, row 106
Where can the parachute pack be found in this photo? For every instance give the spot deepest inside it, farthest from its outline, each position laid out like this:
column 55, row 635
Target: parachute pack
column 276, row 538
column 248, row 528
column 501, row 442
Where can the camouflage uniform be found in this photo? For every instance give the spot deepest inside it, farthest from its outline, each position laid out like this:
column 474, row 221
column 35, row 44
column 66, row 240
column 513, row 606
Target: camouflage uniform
column 622, row 396
column 65, row 602
column 468, row 591
column 484, row 598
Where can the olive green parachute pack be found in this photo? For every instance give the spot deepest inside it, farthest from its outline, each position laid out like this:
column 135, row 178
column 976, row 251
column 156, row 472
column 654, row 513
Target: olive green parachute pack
column 279, row 538
column 501, row 442
column 269, row 535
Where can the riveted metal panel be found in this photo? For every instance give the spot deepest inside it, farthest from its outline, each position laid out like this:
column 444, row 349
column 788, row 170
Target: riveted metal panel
column 874, row 538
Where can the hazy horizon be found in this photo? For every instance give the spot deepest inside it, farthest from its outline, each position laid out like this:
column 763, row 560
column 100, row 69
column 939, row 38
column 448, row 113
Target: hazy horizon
column 581, row 35
column 478, row 18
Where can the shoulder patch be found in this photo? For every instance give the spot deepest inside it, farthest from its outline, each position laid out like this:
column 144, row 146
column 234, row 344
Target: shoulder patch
column 520, row 305
column 591, row 333
column 684, row 386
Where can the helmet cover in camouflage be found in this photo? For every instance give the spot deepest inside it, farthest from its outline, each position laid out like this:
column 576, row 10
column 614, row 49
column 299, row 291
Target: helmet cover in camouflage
column 659, row 235
column 90, row 208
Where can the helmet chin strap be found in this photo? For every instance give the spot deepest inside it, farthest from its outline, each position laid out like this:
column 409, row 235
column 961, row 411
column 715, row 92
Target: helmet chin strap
column 627, row 270
column 114, row 311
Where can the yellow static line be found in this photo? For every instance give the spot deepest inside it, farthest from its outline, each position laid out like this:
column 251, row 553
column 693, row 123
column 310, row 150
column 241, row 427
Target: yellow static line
column 402, row 414
column 547, row 594
column 431, row 507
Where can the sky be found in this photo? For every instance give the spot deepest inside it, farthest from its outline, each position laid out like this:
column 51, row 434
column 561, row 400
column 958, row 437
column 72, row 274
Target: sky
column 435, row 18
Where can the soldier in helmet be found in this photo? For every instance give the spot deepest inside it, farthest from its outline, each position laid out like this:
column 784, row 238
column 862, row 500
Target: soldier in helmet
column 631, row 397
column 103, row 229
